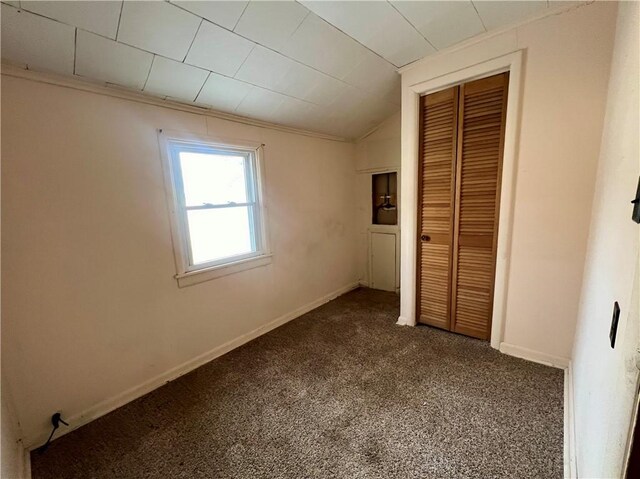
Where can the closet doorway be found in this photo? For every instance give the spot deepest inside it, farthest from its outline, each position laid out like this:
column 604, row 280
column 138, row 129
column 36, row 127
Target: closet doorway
column 460, row 168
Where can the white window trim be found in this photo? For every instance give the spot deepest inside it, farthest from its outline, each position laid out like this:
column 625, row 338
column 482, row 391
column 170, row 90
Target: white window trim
column 186, row 274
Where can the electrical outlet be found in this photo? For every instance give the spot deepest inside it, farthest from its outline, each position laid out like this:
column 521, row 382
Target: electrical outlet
column 614, row 324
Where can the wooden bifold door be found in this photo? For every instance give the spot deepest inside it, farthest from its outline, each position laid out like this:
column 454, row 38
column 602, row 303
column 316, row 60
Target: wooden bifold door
column 460, row 167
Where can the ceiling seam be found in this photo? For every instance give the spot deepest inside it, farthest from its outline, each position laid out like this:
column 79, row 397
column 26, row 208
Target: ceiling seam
column 479, row 16
column 240, row 17
column 243, row 62
column 42, row 16
column 22, row 9
column 276, row 52
column 119, row 19
column 148, row 73
column 497, row 31
column 414, row 27
column 80, row 84
column 354, row 39
column 202, row 19
column 211, row 71
column 235, row 110
column 299, row 24
column 240, row 102
column 286, row 56
column 213, row 23
column 202, row 87
column 192, row 40
column 154, row 55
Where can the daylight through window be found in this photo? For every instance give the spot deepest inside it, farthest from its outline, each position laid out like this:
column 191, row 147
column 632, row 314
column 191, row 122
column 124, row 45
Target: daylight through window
column 217, row 202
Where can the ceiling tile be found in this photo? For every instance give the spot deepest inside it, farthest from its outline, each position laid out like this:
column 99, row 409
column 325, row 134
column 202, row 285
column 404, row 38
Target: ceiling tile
column 102, row 59
column 217, row 49
column 376, row 110
column 295, row 112
column 264, row 67
column 38, row 42
column 376, row 25
column 261, row 104
column 308, row 74
column 318, row 120
column 497, row 13
column 310, row 85
column 324, row 47
column 158, row 27
column 223, row 93
column 276, row 72
column 442, row 23
column 339, row 124
column 175, row 79
column 300, row 81
column 347, row 100
column 96, row 17
column 225, row 14
column 271, row 23
column 370, row 112
column 374, row 74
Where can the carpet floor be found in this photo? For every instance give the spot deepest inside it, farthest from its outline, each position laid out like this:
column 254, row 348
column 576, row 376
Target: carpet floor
column 341, row 392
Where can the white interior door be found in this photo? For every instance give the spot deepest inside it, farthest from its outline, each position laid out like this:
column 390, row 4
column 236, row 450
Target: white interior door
column 383, row 261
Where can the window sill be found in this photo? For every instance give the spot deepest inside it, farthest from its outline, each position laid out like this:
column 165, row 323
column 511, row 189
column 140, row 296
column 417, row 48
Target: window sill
column 206, row 274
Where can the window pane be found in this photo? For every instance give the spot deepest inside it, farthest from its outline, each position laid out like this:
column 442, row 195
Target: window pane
column 214, row 179
column 219, row 233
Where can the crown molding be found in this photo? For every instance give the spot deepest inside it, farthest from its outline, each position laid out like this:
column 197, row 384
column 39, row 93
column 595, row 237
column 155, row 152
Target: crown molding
column 12, row 70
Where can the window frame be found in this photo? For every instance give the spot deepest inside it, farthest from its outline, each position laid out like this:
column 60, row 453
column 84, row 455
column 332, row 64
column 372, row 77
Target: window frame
column 187, row 272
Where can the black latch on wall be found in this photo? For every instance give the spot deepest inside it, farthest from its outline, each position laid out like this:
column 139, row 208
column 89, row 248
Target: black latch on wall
column 635, row 216
column 613, row 331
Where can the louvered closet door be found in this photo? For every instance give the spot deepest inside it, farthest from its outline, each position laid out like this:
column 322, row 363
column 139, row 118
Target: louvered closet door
column 438, row 122
column 481, row 122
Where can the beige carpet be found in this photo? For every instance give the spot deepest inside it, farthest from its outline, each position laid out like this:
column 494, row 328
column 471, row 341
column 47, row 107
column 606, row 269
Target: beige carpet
column 341, row 392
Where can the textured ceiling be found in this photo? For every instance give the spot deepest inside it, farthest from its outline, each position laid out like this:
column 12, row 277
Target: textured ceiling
column 323, row 66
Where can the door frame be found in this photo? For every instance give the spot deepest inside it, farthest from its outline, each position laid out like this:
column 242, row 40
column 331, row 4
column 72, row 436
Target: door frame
column 512, row 62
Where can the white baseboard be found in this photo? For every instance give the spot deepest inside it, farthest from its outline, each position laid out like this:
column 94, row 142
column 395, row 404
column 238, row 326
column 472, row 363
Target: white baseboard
column 570, row 465
column 108, row 405
column 402, row 321
column 535, row 356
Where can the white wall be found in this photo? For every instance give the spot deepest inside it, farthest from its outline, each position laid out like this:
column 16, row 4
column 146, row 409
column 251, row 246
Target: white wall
column 377, row 152
column 89, row 300
column 605, row 379
column 11, row 449
column 564, row 80
column 380, row 149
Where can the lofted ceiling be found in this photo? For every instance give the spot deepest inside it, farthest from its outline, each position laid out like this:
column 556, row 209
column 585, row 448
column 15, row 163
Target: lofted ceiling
column 323, row 66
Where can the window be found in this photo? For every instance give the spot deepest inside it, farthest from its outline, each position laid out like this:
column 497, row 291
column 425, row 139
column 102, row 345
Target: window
column 215, row 193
